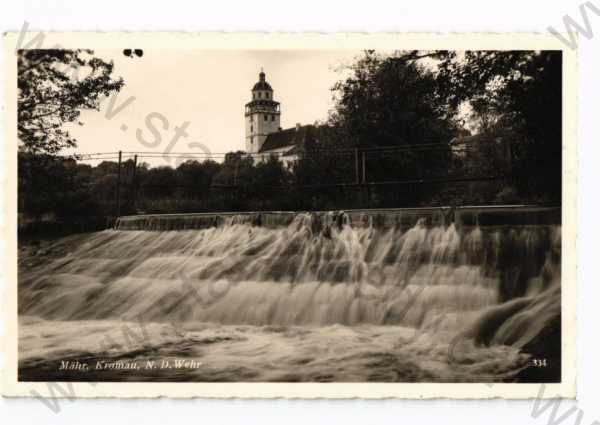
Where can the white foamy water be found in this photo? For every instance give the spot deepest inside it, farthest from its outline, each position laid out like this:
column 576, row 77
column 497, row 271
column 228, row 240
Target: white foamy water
column 292, row 303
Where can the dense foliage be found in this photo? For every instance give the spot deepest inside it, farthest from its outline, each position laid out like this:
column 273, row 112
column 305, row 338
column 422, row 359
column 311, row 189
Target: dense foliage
column 54, row 86
column 408, row 129
column 516, row 95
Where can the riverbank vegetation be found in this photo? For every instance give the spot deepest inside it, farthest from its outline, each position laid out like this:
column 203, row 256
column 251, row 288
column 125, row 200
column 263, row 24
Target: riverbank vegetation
column 408, row 129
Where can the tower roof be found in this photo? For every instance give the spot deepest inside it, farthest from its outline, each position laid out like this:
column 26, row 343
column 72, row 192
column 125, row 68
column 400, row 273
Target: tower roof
column 262, row 83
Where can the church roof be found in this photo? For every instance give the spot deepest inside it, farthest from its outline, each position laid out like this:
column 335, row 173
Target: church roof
column 295, row 137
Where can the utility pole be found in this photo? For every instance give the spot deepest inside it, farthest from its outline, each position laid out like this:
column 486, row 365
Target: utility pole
column 119, row 186
column 134, row 184
column 508, row 155
column 364, row 178
column 356, row 165
column 364, row 168
column 235, row 173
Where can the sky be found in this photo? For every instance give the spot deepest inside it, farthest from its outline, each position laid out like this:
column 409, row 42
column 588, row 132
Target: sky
column 208, row 89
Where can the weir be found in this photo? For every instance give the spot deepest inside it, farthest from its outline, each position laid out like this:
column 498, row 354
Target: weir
column 285, row 268
column 380, row 218
column 397, row 282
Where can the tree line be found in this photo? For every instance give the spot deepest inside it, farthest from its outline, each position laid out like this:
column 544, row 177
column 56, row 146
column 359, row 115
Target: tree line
column 416, row 128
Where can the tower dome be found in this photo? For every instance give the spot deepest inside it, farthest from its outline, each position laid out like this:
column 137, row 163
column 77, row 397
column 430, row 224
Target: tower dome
column 262, row 83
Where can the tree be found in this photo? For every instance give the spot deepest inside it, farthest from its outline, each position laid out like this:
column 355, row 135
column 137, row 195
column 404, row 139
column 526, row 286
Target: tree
column 66, row 192
column 54, row 87
column 271, row 185
column 391, row 101
column 394, row 101
column 518, row 93
column 194, row 178
column 160, row 182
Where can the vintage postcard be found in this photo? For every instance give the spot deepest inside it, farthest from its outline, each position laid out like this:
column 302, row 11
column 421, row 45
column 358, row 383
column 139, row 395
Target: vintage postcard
column 289, row 215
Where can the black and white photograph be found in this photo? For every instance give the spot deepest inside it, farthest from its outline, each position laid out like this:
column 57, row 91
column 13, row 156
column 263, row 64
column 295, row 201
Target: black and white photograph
column 272, row 215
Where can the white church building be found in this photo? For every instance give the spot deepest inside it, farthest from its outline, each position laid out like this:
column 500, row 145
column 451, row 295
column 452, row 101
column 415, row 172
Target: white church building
column 264, row 135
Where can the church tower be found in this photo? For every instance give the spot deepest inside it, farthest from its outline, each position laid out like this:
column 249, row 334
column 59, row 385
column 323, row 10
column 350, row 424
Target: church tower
column 261, row 116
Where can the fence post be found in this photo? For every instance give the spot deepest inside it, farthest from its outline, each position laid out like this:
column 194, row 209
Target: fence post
column 119, row 187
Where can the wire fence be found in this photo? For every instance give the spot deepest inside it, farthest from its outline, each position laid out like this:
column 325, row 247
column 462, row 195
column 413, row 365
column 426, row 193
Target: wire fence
column 341, row 152
column 348, row 177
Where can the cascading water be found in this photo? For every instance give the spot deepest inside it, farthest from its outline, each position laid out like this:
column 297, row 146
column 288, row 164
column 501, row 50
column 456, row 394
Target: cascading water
column 292, row 297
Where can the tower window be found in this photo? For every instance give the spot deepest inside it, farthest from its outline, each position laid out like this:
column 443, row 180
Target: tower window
column 253, row 95
column 272, row 117
column 266, row 117
column 260, row 94
column 267, row 95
